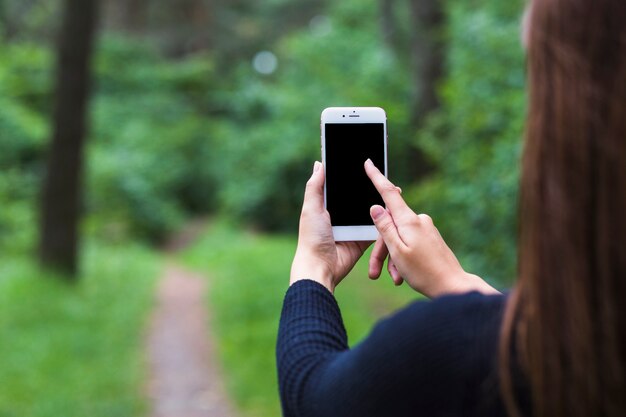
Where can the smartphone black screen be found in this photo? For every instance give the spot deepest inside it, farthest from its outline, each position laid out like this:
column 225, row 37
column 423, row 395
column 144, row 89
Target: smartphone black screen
column 349, row 191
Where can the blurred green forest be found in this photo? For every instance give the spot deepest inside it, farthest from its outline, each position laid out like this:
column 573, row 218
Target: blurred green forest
column 182, row 124
column 210, row 108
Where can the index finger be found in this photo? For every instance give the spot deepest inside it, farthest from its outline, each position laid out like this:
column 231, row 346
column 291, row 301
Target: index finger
column 389, row 192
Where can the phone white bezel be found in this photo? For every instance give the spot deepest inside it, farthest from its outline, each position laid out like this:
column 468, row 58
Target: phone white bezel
column 353, row 115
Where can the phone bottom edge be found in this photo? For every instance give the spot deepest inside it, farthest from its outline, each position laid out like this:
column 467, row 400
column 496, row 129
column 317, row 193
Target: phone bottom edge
column 355, row 233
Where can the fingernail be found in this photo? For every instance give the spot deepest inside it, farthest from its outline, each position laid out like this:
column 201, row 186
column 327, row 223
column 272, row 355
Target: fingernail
column 316, row 166
column 369, row 162
column 376, row 212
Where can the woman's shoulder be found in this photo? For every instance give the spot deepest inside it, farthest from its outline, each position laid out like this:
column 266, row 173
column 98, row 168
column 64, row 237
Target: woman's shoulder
column 443, row 348
column 468, row 302
column 467, row 311
column 452, row 334
column 446, row 325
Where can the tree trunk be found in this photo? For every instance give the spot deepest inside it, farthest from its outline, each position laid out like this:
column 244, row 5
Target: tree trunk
column 428, row 54
column 199, row 14
column 388, row 24
column 61, row 193
column 134, row 15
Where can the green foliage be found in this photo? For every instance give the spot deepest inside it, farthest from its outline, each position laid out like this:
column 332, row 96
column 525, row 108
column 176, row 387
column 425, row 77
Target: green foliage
column 175, row 137
column 17, row 215
column 249, row 275
column 475, row 140
column 149, row 160
column 149, row 152
column 75, row 350
column 169, row 138
column 24, row 98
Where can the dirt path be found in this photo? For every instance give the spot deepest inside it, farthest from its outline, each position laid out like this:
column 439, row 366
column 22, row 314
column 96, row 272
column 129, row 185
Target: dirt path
column 185, row 379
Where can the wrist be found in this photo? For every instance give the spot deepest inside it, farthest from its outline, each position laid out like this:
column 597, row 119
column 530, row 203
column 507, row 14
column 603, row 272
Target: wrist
column 313, row 270
column 465, row 282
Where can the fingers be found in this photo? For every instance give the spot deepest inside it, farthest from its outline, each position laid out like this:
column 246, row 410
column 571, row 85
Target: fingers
column 377, row 258
column 387, row 228
column 389, row 192
column 314, row 193
column 393, row 271
column 353, row 249
column 349, row 253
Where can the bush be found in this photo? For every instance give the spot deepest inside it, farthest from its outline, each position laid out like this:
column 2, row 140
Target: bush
column 25, row 101
column 149, row 160
column 148, row 154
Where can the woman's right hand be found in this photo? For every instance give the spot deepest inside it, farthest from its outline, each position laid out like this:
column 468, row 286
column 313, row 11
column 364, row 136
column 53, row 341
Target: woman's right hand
column 417, row 252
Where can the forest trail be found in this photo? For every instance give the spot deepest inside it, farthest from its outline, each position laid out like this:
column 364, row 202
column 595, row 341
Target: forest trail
column 185, row 377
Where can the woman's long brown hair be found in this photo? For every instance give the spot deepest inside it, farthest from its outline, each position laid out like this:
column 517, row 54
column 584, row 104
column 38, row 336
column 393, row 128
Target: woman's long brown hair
column 567, row 314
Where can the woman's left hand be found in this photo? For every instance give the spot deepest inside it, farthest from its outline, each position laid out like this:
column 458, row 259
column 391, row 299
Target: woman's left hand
column 318, row 257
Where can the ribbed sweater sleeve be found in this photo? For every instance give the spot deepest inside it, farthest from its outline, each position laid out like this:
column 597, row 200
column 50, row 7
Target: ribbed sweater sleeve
column 431, row 358
column 311, row 329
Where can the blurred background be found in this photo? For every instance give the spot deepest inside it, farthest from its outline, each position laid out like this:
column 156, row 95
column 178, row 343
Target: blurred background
column 203, row 115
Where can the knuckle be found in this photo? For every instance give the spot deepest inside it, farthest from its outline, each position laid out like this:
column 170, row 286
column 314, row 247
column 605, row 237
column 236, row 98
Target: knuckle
column 425, row 218
column 414, row 219
column 404, row 252
column 410, row 219
column 386, row 226
column 388, row 187
column 306, row 212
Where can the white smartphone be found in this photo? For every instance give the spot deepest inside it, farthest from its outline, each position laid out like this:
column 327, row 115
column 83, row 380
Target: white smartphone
column 351, row 135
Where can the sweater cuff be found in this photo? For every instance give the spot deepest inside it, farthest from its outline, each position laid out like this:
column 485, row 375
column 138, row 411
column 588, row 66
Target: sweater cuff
column 310, row 300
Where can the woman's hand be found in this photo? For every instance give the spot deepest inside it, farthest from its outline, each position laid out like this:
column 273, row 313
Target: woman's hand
column 417, row 252
column 318, row 257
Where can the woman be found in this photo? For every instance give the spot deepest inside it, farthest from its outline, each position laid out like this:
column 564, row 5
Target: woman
column 555, row 346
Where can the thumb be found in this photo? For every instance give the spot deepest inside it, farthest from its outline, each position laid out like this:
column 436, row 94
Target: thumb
column 386, row 227
column 314, row 192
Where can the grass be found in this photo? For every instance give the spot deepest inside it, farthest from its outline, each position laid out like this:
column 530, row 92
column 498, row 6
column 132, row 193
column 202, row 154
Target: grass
column 75, row 350
column 249, row 274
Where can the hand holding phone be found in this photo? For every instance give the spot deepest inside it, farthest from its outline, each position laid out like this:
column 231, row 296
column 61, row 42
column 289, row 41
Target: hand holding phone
column 318, row 257
column 339, row 192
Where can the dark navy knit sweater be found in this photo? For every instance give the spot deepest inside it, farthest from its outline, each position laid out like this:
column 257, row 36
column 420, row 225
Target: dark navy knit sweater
column 433, row 358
